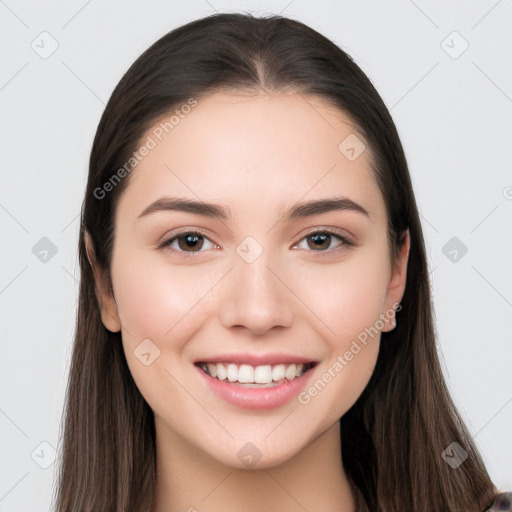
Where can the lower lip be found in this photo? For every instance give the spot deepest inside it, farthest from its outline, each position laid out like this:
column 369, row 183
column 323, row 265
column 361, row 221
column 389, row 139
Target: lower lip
column 256, row 398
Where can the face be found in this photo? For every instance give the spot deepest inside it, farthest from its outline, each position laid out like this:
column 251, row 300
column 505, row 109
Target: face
column 252, row 325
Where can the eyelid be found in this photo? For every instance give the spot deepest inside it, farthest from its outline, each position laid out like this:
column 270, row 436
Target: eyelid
column 165, row 242
column 341, row 233
column 347, row 241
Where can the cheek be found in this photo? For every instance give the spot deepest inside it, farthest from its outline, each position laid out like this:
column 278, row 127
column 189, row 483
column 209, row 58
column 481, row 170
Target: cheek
column 156, row 300
column 164, row 305
column 347, row 297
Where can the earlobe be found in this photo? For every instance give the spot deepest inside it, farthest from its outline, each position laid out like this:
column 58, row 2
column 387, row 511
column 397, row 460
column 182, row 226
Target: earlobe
column 104, row 293
column 397, row 283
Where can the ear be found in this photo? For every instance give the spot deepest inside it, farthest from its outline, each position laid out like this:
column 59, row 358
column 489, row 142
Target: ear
column 396, row 286
column 104, row 293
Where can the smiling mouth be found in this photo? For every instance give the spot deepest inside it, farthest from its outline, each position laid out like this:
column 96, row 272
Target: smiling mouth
column 255, row 376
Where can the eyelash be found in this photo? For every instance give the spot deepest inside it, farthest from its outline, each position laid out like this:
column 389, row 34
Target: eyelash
column 166, row 243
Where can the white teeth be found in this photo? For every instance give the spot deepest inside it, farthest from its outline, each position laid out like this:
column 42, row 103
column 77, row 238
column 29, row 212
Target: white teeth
column 263, row 374
column 278, row 372
column 290, row 372
column 232, row 372
column 212, row 369
column 253, row 375
column 221, row 372
column 245, row 374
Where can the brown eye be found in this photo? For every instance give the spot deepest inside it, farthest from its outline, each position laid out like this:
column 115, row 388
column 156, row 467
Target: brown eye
column 187, row 242
column 323, row 241
column 319, row 241
column 190, row 242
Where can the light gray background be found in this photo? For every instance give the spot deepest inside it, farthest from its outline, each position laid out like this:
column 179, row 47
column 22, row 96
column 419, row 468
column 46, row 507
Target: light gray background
column 453, row 111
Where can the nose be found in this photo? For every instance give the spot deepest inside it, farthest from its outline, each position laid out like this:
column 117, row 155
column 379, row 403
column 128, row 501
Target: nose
column 255, row 297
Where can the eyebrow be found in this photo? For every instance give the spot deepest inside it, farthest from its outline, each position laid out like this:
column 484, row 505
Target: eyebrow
column 217, row 211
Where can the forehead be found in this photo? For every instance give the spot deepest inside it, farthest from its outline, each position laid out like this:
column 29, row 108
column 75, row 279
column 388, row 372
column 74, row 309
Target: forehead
column 234, row 147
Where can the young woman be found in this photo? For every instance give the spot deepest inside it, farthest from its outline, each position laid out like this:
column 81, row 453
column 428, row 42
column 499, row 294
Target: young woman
column 255, row 326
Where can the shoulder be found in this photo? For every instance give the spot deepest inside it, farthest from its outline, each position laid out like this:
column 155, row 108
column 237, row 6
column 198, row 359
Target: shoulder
column 502, row 503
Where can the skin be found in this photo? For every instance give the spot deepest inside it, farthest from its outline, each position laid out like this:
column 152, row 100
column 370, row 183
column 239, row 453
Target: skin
column 257, row 155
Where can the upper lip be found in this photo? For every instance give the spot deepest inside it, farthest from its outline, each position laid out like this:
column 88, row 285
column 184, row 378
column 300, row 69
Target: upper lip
column 256, row 359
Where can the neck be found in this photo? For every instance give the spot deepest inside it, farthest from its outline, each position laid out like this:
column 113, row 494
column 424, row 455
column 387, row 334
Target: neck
column 189, row 480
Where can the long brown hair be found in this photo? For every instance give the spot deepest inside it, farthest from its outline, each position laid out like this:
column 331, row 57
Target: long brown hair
column 394, row 435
